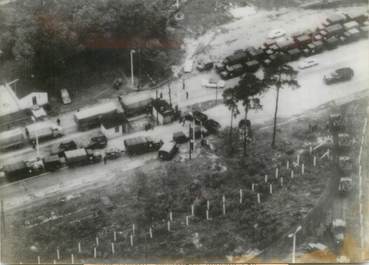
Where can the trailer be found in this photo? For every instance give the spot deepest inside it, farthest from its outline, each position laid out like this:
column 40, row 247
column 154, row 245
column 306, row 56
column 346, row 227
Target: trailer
column 141, row 145
column 42, row 131
column 167, row 151
column 16, row 170
column 12, row 139
column 82, row 156
column 236, row 58
column 136, row 104
column 90, row 117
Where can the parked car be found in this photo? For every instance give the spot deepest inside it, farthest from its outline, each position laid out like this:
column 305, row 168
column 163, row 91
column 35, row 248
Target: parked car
column 98, row 142
column 276, row 33
column 167, row 151
column 307, row 63
column 113, row 153
column 204, row 66
column 339, row 75
column 65, row 97
column 180, row 137
column 64, row 146
column 212, row 126
column 213, row 83
column 199, row 117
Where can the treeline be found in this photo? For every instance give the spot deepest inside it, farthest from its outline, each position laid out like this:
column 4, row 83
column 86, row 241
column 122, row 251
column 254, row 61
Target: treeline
column 51, row 37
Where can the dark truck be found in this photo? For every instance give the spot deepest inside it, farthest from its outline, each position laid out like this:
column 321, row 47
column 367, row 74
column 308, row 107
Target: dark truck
column 82, row 156
column 16, row 170
column 141, row 145
column 52, row 163
column 340, row 75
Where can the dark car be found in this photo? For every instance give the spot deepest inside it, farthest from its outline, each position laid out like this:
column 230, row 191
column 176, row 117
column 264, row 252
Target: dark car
column 180, row 137
column 98, row 142
column 212, row 126
column 340, row 75
column 200, row 117
column 113, row 153
column 65, row 146
column 205, row 66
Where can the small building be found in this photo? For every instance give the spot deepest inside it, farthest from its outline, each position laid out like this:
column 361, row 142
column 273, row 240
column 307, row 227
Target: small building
column 162, row 112
column 135, row 104
column 114, row 126
column 34, row 99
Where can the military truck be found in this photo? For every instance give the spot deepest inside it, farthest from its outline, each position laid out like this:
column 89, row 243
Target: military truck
column 16, row 170
column 43, row 130
column 168, row 151
column 141, row 145
column 52, row 162
column 12, row 139
column 81, row 156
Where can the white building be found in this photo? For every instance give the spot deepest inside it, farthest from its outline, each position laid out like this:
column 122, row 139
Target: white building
column 114, row 126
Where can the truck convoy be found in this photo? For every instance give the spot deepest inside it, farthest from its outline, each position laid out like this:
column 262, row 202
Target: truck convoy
column 43, row 130
column 141, row 145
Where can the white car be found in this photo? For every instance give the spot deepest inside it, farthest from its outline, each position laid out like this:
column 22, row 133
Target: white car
column 188, row 66
column 276, row 33
column 65, row 96
column 213, row 83
column 307, row 63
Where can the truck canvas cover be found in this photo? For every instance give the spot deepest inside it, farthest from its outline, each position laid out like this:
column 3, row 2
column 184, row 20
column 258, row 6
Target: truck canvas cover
column 350, row 25
column 336, row 18
column 12, row 136
column 75, row 153
column 337, row 28
column 136, row 141
column 10, row 168
column 95, row 111
column 167, row 147
column 40, row 129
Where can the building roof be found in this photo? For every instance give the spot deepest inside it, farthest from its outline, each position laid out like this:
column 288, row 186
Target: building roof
column 9, row 102
column 96, row 110
column 113, row 121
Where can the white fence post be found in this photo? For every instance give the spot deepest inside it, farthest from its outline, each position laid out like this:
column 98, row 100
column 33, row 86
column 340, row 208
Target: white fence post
column 38, row 260
column 298, row 159
column 131, row 239
column 115, row 236
column 270, row 188
column 97, row 241
column 133, row 229
column 79, row 247
column 303, row 169
column 192, row 210
column 241, row 195
column 95, row 253
column 208, row 204
column 168, row 224
column 112, row 248
column 150, row 232
column 171, row 216
column 292, row 174
column 57, row 254
column 187, row 223
column 258, row 197
column 276, row 173
column 224, row 206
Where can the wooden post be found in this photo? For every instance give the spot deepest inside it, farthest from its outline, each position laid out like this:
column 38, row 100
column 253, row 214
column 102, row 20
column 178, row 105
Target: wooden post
column 310, row 149
column 38, row 260
column 281, row 181
column 168, row 224
column 131, row 239
column 276, row 173
column 303, row 169
column 79, row 247
column 97, row 241
column 112, row 248
column 298, row 159
column 270, row 189
column 253, row 187
column 207, row 215
column 208, row 205
column 241, row 195
column 57, row 254
column 115, row 236
column 95, row 253
column 288, row 164
column 266, row 178
column 192, row 210
column 187, row 223
column 258, row 197
column 72, row 258
column 292, row 174
column 150, row 232
column 314, row 161
column 171, row 216
column 133, row 229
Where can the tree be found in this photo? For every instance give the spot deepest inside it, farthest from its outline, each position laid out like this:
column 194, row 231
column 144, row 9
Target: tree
column 230, row 100
column 247, row 87
column 279, row 76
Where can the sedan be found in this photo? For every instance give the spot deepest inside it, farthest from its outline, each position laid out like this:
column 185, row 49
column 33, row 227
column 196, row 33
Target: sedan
column 307, row 63
column 65, row 96
column 213, row 83
column 277, row 33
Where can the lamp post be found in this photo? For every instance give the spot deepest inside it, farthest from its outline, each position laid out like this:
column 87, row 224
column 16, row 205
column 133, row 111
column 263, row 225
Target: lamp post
column 132, row 78
column 293, row 235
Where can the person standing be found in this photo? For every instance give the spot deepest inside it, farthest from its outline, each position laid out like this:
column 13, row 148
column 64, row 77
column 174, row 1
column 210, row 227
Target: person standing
column 186, row 94
column 58, row 121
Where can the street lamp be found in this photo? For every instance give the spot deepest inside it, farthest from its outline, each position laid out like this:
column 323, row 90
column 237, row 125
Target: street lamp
column 132, row 79
column 293, row 235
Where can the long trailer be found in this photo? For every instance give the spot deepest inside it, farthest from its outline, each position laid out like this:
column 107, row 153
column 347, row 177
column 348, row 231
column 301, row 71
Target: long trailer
column 90, row 117
column 12, row 139
column 43, row 130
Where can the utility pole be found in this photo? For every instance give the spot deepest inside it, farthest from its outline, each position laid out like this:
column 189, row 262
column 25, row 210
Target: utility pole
column 2, row 230
column 170, row 95
column 293, row 235
column 132, row 78
column 190, row 142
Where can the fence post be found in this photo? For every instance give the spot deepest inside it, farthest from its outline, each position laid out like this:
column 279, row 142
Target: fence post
column 72, row 258
column 57, row 254
column 133, row 229
column 314, row 161
column 281, row 181
column 168, row 224
column 171, row 216
column 253, row 187
column 208, row 204
column 224, row 206
column 97, row 241
column 298, row 159
column 207, row 215
column 112, row 248
column 131, row 239
column 258, row 197
column 288, row 164
column 241, row 195
column 150, row 232
column 266, row 178
column 38, row 260
column 303, row 169
column 187, row 223
column 276, row 173
column 292, row 174
column 95, row 253
column 115, row 236
column 79, row 247
column 270, row 188
column 192, row 210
